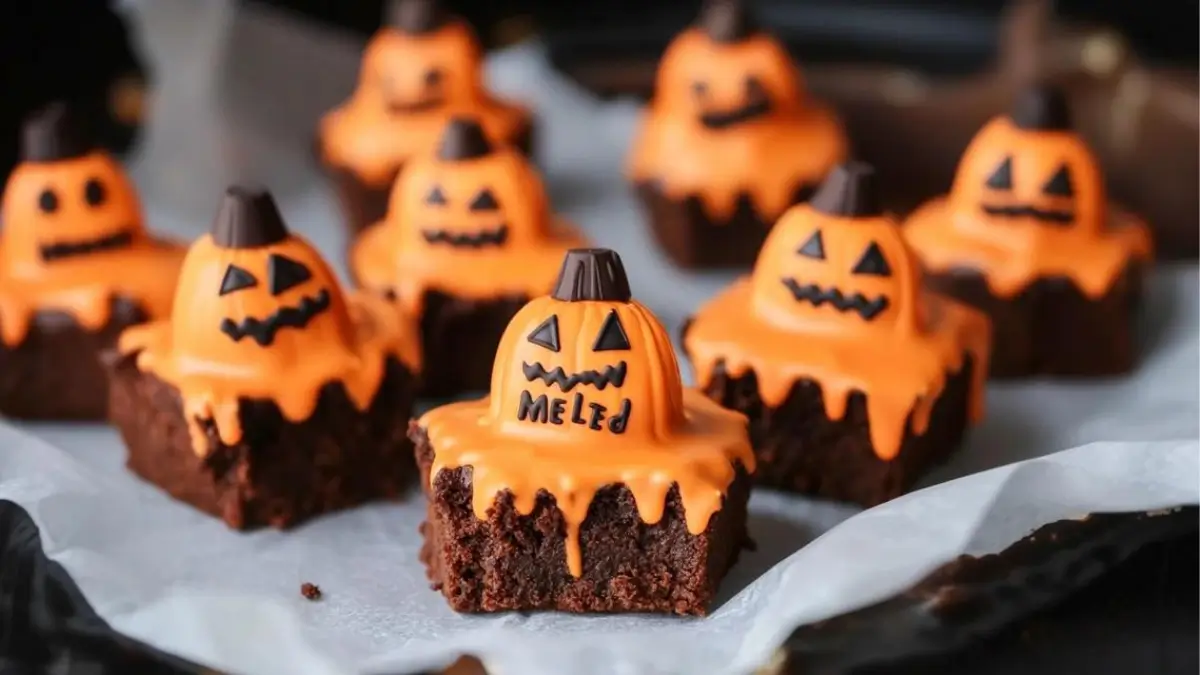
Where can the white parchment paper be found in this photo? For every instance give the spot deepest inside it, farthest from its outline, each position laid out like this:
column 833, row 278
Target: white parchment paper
column 179, row 580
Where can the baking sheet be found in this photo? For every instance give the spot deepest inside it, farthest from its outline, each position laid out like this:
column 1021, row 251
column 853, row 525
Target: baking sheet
column 182, row 582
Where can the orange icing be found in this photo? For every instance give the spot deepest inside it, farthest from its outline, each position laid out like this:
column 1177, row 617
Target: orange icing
column 768, row 157
column 348, row 343
column 648, row 433
column 367, row 137
column 394, row 255
column 59, row 251
column 1092, row 249
column 899, row 359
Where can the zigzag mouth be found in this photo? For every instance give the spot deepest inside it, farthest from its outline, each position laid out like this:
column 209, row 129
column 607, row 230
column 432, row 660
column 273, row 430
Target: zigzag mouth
column 866, row 308
column 1054, row 216
column 614, row 375
column 754, row 109
column 495, row 236
column 111, row 242
column 420, row 105
column 263, row 331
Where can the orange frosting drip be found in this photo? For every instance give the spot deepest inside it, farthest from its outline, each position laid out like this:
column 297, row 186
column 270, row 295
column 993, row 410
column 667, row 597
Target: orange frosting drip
column 349, row 343
column 1092, row 249
column 85, row 283
column 668, row 435
column 899, row 359
column 767, row 158
column 1012, row 255
column 367, row 138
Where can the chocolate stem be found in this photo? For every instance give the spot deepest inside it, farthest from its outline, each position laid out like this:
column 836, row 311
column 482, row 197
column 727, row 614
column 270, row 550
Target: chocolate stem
column 592, row 274
column 850, row 191
column 727, row 21
column 416, row 17
column 462, row 139
column 248, row 218
column 53, row 134
column 1042, row 107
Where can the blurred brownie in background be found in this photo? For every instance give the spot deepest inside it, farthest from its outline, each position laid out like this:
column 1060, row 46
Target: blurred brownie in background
column 76, row 51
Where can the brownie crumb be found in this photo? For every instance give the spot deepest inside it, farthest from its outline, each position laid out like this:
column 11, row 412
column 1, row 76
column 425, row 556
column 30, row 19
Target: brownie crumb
column 310, row 591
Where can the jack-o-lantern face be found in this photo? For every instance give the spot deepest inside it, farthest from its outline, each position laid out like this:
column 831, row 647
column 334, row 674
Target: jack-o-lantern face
column 587, row 359
column 1030, row 167
column 251, row 291
column 66, row 200
column 471, row 195
column 725, row 72
column 838, row 261
column 423, row 60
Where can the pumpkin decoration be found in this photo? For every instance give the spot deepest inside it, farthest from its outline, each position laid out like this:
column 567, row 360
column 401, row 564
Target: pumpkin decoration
column 74, row 239
column 259, row 315
column 586, row 392
column 729, row 139
column 419, row 70
column 836, row 298
column 1028, row 201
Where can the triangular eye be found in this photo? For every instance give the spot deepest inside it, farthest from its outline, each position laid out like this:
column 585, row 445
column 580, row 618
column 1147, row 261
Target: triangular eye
column 612, row 337
column 1001, row 178
column 873, row 263
column 484, row 201
column 435, row 197
column 1059, row 184
column 284, row 273
column 813, row 248
column 546, row 334
column 236, row 279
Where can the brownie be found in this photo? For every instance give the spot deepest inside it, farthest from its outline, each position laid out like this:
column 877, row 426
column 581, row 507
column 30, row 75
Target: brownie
column 55, row 373
column 800, row 449
column 1052, row 328
column 363, row 204
column 693, row 239
column 280, row 473
column 518, row 562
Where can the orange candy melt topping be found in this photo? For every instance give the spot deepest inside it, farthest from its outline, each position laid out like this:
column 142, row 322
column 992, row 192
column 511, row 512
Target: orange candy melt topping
column 416, row 74
column 74, row 238
column 471, row 221
column 585, row 394
column 259, row 315
column 1028, row 203
column 729, row 117
column 836, row 297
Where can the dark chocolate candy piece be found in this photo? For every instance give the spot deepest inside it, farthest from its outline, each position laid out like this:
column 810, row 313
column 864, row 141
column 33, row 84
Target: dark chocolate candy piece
column 727, row 21
column 850, row 191
column 612, row 337
column 592, row 274
column 463, row 139
column 53, row 134
column 1042, row 108
column 416, row 17
column 248, row 218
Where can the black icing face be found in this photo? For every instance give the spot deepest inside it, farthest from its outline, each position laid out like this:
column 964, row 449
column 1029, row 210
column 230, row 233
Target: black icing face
column 612, row 337
column 1052, row 204
column 756, row 103
column 861, row 288
column 480, row 226
column 284, row 302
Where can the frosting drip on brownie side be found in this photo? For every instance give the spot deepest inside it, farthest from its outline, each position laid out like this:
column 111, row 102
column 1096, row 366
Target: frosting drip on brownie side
column 73, row 237
column 586, row 394
column 259, row 315
column 411, row 83
column 729, row 117
column 1029, row 202
column 836, row 298
column 471, row 221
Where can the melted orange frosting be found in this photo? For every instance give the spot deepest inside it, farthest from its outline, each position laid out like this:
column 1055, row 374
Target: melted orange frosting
column 899, row 360
column 349, row 343
column 647, row 434
column 370, row 140
column 85, row 284
column 767, row 158
column 1092, row 250
column 393, row 255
